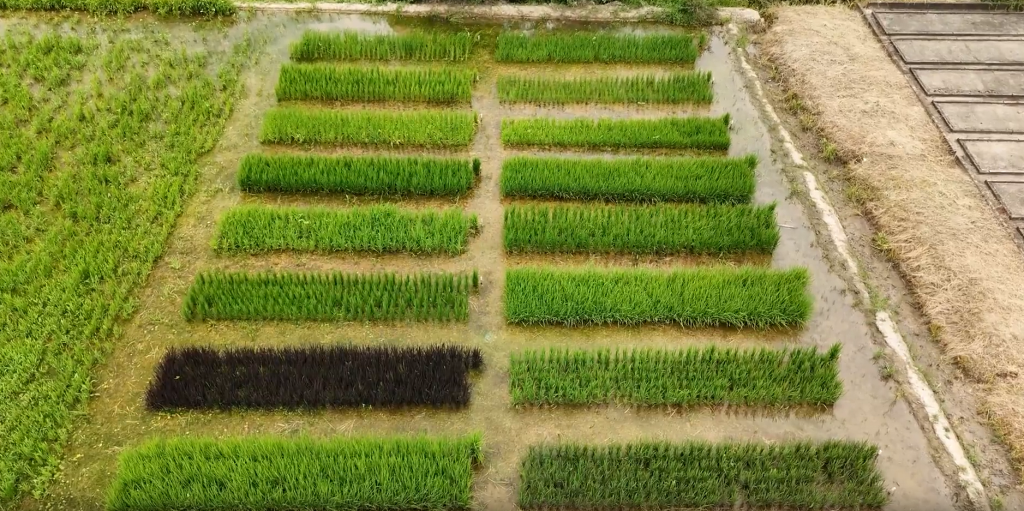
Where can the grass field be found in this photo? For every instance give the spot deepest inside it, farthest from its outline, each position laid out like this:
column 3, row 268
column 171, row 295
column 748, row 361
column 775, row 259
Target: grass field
column 701, row 297
column 421, row 128
column 598, row 47
column 692, row 87
column 712, row 180
column 329, row 296
column 313, row 377
column 382, row 228
column 693, row 377
column 648, row 475
column 358, row 175
column 339, row 474
column 654, row 229
column 696, row 133
column 326, row 82
column 428, row 46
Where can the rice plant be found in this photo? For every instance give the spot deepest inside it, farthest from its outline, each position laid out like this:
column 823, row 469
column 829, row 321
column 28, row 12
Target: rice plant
column 654, row 229
column 349, row 45
column 697, row 133
column 313, row 377
column 267, row 473
column 599, row 47
column 382, row 228
column 420, row 128
column 694, row 87
column 329, row 296
column 697, row 298
column 693, row 377
column 647, row 475
column 712, row 180
column 325, row 82
column 357, row 175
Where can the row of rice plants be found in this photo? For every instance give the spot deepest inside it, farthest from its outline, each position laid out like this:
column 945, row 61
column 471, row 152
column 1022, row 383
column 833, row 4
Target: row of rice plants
column 694, row 87
column 313, row 377
column 382, row 228
column 326, row 82
column 341, row 474
column 804, row 475
column 205, row 8
column 333, row 296
column 590, row 47
column 350, row 45
column 419, row 128
column 679, row 133
column 693, row 377
column 650, row 229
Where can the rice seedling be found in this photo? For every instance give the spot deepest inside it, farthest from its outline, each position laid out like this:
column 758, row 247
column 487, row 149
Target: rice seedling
column 599, row 47
column 421, row 128
column 692, row 87
column 697, row 298
column 313, row 377
column 654, row 229
column 357, row 175
column 383, row 228
column 693, row 377
column 267, row 473
column 326, row 82
column 792, row 475
column 697, row 133
column 712, row 180
column 329, row 296
column 349, row 45
column 161, row 7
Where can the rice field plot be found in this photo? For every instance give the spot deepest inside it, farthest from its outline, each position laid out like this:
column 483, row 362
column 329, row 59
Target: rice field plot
column 693, row 87
column 414, row 46
column 378, row 229
column 338, row 296
column 313, row 377
column 707, row 376
column 696, row 298
column 653, row 229
column 599, row 47
column 700, row 180
column 326, row 82
column 378, row 128
column 677, row 133
column 804, row 475
column 267, row 473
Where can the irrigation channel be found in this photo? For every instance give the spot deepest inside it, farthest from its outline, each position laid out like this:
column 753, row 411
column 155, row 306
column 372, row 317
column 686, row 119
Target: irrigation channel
column 869, row 410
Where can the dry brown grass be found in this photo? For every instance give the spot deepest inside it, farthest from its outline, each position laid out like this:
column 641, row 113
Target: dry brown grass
column 960, row 260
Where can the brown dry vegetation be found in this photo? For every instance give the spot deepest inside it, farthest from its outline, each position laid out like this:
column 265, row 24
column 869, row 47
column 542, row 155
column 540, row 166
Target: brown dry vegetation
column 961, row 262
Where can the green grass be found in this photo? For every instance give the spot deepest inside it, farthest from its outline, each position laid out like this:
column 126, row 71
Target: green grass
column 648, row 475
column 348, row 45
column 697, row 133
column 712, row 180
column 693, row 377
column 121, row 7
column 692, row 87
column 326, row 82
column 701, row 297
column 396, row 176
column 587, row 47
column 655, row 229
column 421, row 128
column 380, row 228
column 329, row 296
column 266, row 473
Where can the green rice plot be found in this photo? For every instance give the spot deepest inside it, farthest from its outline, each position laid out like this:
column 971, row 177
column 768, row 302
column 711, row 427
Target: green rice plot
column 710, row 180
column 349, row 45
column 265, row 473
column 219, row 295
column 421, row 128
column 679, row 133
column 380, row 228
column 692, row 87
column 697, row 298
column 599, row 47
column 706, row 376
column 654, row 229
column 326, row 82
column 792, row 475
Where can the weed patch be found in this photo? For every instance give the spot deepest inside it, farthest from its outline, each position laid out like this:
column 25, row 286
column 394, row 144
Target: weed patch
column 422, row 128
column 698, row 133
